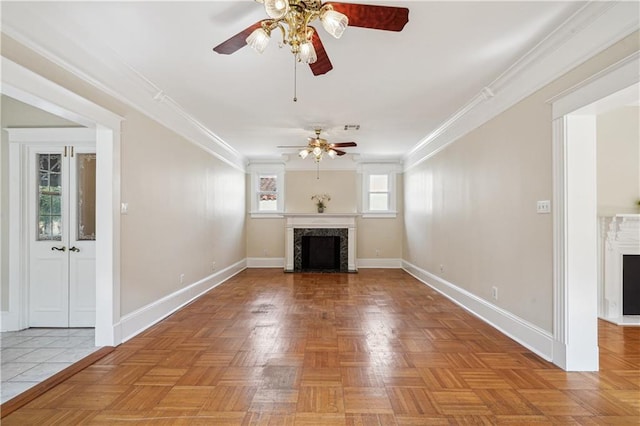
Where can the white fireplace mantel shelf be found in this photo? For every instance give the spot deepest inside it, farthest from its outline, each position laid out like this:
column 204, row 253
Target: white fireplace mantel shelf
column 320, row 220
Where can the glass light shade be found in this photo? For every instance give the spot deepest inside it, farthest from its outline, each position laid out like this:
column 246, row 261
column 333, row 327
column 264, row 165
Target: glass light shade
column 258, row 40
column 307, row 53
column 276, row 9
column 317, row 151
column 303, row 154
column 332, row 153
column 334, row 22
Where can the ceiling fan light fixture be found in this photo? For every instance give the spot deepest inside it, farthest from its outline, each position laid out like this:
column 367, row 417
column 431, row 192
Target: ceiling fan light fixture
column 276, row 9
column 303, row 154
column 307, row 54
column 331, row 153
column 334, row 22
column 317, row 151
column 258, row 40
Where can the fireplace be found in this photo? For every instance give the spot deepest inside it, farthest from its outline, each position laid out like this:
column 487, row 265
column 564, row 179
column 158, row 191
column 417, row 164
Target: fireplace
column 622, row 270
column 320, row 249
column 320, row 242
column 631, row 284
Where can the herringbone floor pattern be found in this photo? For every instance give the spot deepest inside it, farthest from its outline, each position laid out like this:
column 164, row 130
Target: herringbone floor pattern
column 373, row 348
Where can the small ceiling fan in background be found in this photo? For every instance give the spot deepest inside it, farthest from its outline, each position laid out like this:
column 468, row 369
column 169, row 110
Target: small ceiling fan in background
column 293, row 18
column 317, row 147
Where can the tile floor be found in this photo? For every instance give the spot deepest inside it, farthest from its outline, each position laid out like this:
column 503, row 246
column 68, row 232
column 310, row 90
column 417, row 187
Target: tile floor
column 35, row 354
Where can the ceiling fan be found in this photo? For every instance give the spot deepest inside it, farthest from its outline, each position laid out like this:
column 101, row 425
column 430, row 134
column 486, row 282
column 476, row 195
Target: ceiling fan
column 318, row 147
column 293, row 17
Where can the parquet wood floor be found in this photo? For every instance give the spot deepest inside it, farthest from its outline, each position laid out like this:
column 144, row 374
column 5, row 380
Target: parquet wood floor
column 373, row 348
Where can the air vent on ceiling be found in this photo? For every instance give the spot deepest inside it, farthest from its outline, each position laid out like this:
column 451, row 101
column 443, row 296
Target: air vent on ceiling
column 352, row 127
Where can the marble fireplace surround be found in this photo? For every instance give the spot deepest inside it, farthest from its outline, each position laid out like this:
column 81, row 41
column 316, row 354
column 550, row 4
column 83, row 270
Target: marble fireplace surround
column 311, row 222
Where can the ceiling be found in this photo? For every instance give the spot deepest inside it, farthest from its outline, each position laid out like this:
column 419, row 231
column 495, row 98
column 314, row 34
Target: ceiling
column 398, row 87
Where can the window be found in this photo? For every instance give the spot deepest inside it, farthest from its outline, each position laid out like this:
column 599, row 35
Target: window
column 379, row 193
column 267, row 189
column 268, row 193
column 378, row 190
column 49, row 197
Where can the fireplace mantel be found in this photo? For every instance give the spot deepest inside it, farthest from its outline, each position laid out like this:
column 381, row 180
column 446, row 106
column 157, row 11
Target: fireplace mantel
column 320, row 221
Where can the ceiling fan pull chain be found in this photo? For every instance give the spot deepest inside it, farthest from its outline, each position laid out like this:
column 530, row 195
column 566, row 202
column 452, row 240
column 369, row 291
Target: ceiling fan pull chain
column 295, row 80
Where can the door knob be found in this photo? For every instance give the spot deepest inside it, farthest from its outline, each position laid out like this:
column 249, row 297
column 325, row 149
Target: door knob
column 63, row 248
column 74, row 248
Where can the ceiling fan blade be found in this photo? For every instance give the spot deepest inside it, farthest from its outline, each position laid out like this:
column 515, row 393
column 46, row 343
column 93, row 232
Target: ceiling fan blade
column 375, row 17
column 339, row 152
column 343, row 144
column 322, row 65
column 292, row 146
column 236, row 42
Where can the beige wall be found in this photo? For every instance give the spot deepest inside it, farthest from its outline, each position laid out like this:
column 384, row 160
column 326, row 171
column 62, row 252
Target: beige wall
column 618, row 144
column 265, row 237
column 472, row 207
column 186, row 208
column 339, row 184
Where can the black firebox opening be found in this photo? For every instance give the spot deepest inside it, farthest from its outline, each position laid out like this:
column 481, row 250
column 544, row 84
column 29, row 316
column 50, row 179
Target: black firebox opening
column 631, row 284
column 320, row 253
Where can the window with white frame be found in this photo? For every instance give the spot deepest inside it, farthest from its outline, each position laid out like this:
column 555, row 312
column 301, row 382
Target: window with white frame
column 267, row 189
column 379, row 190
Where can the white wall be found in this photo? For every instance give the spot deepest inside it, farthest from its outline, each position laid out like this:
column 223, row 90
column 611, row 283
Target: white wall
column 618, row 159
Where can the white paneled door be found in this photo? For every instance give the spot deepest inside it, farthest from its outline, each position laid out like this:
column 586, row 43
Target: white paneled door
column 61, row 211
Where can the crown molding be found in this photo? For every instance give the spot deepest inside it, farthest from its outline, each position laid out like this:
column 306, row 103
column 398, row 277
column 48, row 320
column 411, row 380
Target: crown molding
column 110, row 74
column 589, row 31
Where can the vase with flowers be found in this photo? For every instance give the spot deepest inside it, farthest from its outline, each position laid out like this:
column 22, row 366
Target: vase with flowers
column 321, row 201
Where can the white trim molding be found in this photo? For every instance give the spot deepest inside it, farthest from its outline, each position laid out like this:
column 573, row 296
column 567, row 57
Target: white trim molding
column 592, row 29
column 528, row 335
column 109, row 71
column 136, row 322
column 378, row 262
column 265, row 262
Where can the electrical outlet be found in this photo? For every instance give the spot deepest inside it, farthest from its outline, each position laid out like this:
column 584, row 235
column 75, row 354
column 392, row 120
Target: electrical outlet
column 124, row 208
column 544, row 206
column 181, row 278
column 265, row 253
column 213, row 266
column 494, row 293
column 441, row 267
column 377, row 253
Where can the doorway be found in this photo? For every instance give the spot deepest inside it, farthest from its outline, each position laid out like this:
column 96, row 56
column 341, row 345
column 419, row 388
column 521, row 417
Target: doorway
column 30, row 88
column 54, row 205
column 62, row 230
column 575, row 326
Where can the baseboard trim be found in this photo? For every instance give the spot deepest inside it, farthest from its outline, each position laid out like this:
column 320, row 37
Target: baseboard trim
column 136, row 322
column 528, row 335
column 10, row 321
column 265, row 262
column 376, row 262
column 32, row 393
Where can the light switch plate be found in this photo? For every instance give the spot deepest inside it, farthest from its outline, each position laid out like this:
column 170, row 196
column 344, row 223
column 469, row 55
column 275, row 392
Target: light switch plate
column 544, row 206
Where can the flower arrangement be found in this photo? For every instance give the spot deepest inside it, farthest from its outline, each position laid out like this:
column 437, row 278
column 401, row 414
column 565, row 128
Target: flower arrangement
column 321, row 201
